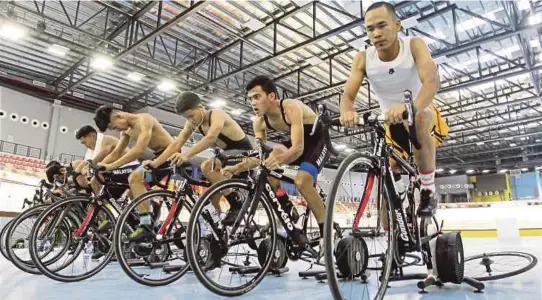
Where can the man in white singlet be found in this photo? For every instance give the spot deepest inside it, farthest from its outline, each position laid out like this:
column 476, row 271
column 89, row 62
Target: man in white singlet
column 392, row 65
column 99, row 146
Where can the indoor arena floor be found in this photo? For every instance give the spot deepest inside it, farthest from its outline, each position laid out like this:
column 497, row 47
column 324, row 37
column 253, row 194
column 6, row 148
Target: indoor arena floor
column 112, row 283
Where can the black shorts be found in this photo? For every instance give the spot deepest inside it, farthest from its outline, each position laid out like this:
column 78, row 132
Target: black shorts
column 121, row 175
column 315, row 152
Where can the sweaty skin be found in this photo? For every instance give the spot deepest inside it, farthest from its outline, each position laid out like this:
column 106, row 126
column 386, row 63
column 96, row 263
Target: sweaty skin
column 297, row 114
column 146, row 132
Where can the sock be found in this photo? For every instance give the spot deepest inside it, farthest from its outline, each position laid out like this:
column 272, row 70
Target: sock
column 400, row 185
column 427, row 178
column 145, row 219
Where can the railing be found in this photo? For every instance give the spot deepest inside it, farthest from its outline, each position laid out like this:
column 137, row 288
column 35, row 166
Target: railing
column 66, row 158
column 18, row 149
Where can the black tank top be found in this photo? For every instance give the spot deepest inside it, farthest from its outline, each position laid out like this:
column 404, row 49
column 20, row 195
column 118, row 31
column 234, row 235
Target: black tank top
column 243, row 144
column 307, row 128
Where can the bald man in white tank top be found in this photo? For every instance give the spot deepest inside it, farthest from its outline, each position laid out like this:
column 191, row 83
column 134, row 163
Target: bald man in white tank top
column 392, row 65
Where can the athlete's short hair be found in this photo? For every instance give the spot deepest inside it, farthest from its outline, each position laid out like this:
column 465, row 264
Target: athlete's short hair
column 267, row 84
column 386, row 5
column 186, row 101
column 85, row 131
column 53, row 170
column 102, row 117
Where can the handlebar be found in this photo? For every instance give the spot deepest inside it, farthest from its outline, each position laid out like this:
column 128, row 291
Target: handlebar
column 372, row 120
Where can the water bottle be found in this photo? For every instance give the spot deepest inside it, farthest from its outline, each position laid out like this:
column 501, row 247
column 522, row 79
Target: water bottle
column 88, row 251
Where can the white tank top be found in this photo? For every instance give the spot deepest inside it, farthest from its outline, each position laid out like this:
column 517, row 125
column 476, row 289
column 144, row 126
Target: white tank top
column 390, row 79
column 92, row 153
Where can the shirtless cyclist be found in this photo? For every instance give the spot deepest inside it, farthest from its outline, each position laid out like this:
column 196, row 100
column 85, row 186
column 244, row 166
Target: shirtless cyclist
column 146, row 132
column 218, row 129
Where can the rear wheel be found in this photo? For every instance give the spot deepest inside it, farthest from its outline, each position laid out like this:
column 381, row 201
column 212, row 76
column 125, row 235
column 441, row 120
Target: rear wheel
column 219, row 268
column 154, row 262
column 3, row 242
column 89, row 253
column 358, row 175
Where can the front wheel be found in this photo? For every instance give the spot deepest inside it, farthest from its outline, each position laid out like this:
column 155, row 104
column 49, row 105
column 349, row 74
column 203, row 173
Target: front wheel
column 88, row 253
column 358, row 175
column 156, row 261
column 222, row 255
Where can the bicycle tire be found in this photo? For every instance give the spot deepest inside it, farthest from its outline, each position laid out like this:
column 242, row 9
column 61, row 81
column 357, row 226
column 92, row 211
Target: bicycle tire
column 332, row 278
column 117, row 240
column 193, row 225
column 25, row 266
column 34, row 236
column 532, row 264
column 3, row 242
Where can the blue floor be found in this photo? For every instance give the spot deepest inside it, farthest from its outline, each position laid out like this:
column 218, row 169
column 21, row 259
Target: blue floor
column 112, row 283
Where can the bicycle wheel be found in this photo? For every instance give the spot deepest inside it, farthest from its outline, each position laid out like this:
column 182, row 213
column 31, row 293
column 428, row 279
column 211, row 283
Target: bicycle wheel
column 485, row 265
column 158, row 261
column 90, row 262
column 17, row 237
column 245, row 271
column 3, row 242
column 362, row 172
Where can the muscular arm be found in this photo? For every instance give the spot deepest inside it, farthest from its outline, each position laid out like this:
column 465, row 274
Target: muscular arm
column 176, row 146
column 121, row 146
column 427, row 70
column 294, row 113
column 108, row 145
column 217, row 124
column 357, row 74
column 260, row 132
column 146, row 124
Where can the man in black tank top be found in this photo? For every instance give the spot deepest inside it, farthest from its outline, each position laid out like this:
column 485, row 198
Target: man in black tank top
column 218, row 129
column 306, row 150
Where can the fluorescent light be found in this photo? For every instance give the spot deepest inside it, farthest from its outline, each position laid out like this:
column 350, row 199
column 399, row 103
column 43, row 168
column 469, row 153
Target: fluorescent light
column 538, row 140
column 524, row 4
column 509, row 138
column 135, row 76
column 523, row 138
column 439, row 170
column 217, row 103
column 503, row 171
column 340, row 146
column 470, row 171
column 166, row 85
column 532, row 125
column 101, row 62
column 410, row 22
column 452, row 171
column 524, row 169
column 254, row 24
column 58, row 50
column 314, row 61
column 495, row 143
column 480, row 143
column 12, row 32
column 485, row 171
column 513, row 144
column 237, row 112
column 535, row 19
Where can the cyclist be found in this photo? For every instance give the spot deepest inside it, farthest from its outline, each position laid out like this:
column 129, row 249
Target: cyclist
column 98, row 147
column 219, row 129
column 146, row 132
column 307, row 151
column 392, row 65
